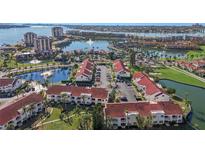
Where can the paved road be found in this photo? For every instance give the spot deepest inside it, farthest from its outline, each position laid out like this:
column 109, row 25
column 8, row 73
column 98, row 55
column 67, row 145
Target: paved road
column 103, row 77
column 127, row 91
column 188, row 73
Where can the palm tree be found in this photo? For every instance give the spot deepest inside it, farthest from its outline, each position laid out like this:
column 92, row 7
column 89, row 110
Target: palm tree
column 86, row 122
column 64, row 99
column 143, row 122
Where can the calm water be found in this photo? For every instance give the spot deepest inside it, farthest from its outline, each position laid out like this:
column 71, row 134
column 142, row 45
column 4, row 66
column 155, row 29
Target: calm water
column 167, row 54
column 58, row 75
column 195, row 95
column 84, row 45
column 14, row 35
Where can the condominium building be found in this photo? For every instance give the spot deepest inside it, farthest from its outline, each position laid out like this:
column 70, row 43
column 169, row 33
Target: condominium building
column 120, row 70
column 29, row 38
column 85, row 71
column 77, row 95
column 121, row 115
column 15, row 113
column 57, row 32
column 150, row 90
column 42, row 43
column 8, row 85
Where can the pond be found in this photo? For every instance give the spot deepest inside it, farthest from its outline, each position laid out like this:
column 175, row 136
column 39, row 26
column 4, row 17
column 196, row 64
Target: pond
column 58, row 75
column 197, row 97
column 167, row 54
column 87, row 45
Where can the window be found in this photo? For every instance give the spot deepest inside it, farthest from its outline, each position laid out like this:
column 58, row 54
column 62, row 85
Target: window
column 122, row 119
column 123, row 124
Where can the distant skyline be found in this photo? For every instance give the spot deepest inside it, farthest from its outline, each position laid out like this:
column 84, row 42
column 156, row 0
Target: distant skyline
column 120, row 24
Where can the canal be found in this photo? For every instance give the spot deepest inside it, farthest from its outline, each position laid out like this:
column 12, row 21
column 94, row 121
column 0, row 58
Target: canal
column 197, row 97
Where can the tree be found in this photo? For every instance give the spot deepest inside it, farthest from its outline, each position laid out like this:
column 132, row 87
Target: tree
column 171, row 91
column 85, row 122
column 132, row 58
column 143, row 122
column 187, row 101
column 64, row 98
column 98, row 117
column 112, row 95
column 10, row 126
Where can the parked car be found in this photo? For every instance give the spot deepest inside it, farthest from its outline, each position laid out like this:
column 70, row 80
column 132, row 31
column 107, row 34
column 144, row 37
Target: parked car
column 124, row 98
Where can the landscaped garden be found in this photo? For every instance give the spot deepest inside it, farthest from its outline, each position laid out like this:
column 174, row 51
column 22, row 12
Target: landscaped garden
column 75, row 118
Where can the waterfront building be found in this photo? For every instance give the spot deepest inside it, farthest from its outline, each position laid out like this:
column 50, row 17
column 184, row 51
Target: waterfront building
column 121, row 115
column 8, row 85
column 42, row 43
column 120, row 70
column 150, row 90
column 25, row 56
column 15, row 113
column 29, row 38
column 57, row 32
column 85, row 71
column 77, row 95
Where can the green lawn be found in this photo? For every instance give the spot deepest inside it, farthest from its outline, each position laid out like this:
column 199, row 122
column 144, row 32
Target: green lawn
column 196, row 54
column 167, row 73
column 55, row 115
column 61, row 125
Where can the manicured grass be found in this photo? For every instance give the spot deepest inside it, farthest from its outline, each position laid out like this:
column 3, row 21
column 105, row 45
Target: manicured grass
column 55, row 115
column 167, row 73
column 62, row 125
column 196, row 54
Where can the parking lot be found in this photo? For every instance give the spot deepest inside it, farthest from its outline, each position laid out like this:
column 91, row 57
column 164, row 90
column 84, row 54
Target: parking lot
column 102, row 76
column 127, row 91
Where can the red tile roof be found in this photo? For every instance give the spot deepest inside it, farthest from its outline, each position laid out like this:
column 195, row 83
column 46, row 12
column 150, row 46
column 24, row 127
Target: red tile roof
column 10, row 111
column 138, row 75
column 119, row 66
column 6, row 82
column 86, row 68
column 143, row 108
column 150, row 86
column 100, row 93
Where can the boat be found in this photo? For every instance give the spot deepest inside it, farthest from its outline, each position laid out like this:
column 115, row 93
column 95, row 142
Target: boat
column 47, row 74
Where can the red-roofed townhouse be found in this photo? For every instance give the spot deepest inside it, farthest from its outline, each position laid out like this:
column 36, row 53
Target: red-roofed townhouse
column 77, row 95
column 120, row 70
column 8, row 85
column 85, row 72
column 120, row 115
column 18, row 111
column 150, row 90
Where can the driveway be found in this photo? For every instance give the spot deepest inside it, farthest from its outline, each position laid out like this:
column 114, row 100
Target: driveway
column 103, row 77
column 127, row 91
